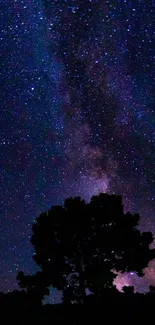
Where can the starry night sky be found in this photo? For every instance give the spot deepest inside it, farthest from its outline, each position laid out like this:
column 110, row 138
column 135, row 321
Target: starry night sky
column 77, row 117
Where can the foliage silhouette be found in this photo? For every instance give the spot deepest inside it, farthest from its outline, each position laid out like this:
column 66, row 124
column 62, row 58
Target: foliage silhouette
column 80, row 245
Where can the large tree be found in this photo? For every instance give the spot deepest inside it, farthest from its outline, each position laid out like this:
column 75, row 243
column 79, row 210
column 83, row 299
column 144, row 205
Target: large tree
column 80, row 246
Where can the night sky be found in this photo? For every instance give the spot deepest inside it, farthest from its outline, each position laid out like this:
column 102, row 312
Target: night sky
column 77, row 117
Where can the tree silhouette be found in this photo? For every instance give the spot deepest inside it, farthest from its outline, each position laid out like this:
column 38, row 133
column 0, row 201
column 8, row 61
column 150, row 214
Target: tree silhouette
column 80, row 246
column 152, row 289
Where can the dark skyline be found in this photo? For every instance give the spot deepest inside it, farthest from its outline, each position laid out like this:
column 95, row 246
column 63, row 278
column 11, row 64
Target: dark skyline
column 77, row 117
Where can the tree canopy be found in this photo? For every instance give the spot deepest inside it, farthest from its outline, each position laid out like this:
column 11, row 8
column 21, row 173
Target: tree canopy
column 80, row 246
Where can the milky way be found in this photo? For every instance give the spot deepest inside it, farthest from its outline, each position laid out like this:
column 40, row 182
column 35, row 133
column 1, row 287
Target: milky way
column 78, row 90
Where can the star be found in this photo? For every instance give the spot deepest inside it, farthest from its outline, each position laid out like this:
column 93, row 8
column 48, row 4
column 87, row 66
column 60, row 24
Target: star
column 78, row 116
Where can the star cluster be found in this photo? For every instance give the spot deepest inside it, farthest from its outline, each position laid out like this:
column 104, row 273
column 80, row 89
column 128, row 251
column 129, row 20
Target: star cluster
column 78, row 93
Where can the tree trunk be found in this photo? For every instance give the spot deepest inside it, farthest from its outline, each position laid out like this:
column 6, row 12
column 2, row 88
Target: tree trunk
column 82, row 290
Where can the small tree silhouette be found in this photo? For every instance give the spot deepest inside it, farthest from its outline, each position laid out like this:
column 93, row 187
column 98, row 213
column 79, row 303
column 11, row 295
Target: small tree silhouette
column 152, row 289
column 129, row 289
column 80, row 246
